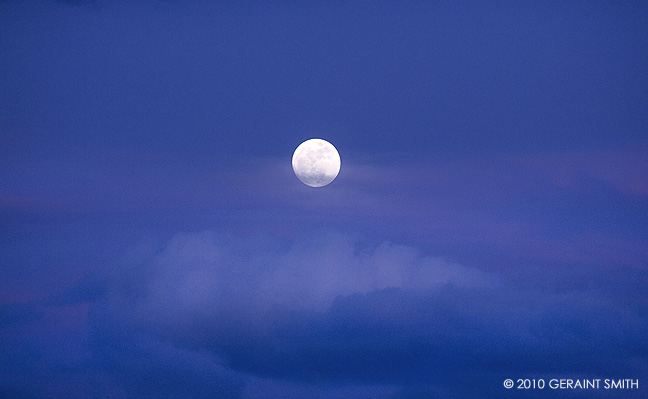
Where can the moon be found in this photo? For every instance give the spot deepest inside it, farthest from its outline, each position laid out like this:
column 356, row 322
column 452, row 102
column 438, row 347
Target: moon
column 316, row 162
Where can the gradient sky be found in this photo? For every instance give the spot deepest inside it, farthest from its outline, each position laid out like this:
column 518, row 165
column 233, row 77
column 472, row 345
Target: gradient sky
column 490, row 219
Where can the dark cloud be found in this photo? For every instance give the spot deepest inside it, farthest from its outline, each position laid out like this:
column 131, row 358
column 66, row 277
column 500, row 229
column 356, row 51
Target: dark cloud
column 12, row 313
column 143, row 368
column 75, row 2
column 89, row 289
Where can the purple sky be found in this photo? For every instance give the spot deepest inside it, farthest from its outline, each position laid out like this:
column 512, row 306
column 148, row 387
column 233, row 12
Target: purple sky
column 490, row 219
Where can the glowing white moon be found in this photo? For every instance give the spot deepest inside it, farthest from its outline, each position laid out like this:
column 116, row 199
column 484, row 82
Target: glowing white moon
column 316, row 162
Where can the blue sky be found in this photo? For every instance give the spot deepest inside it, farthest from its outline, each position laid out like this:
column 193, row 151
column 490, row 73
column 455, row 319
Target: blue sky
column 488, row 222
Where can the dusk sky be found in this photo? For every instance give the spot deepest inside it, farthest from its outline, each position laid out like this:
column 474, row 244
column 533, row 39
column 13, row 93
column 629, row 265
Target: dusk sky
column 489, row 221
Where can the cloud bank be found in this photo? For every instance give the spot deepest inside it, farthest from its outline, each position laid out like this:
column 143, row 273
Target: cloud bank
column 328, row 316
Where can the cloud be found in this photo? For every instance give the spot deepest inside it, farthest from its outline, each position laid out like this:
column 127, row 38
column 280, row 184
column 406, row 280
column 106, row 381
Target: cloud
column 623, row 169
column 329, row 311
column 325, row 315
column 89, row 289
column 577, row 207
column 210, row 273
column 16, row 313
column 75, row 2
column 141, row 367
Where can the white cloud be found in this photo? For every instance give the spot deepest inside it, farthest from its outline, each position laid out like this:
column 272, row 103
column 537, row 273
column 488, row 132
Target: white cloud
column 205, row 275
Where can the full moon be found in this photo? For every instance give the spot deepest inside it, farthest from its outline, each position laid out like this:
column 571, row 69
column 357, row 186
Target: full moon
column 316, row 162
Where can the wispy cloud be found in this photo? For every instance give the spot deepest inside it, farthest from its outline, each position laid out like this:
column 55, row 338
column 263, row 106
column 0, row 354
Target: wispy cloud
column 626, row 170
